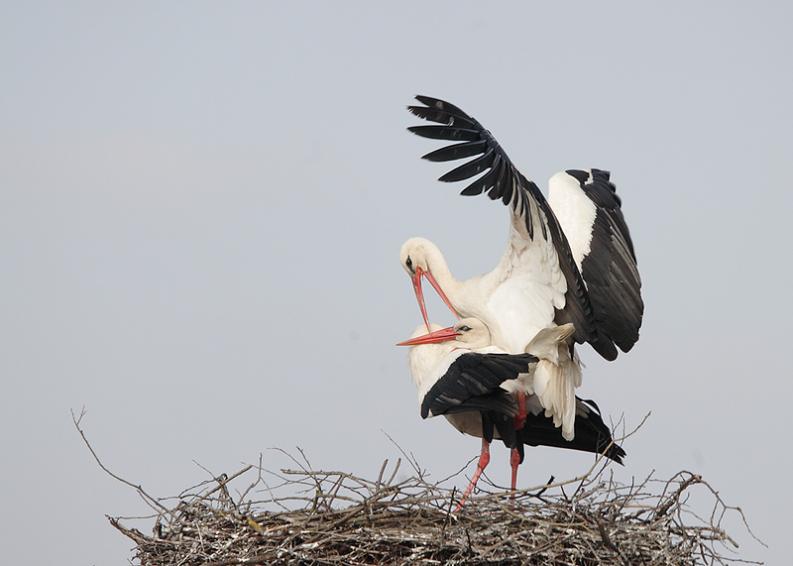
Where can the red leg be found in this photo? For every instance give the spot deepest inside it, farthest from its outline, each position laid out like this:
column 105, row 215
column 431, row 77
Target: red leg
column 520, row 418
column 514, row 460
column 484, row 460
column 520, row 421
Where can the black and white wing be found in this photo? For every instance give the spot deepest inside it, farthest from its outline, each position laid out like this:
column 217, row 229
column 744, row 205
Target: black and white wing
column 500, row 179
column 473, row 383
column 590, row 214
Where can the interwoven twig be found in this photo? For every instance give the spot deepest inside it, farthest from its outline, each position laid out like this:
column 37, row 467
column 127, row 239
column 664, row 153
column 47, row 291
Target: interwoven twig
column 308, row 516
column 334, row 517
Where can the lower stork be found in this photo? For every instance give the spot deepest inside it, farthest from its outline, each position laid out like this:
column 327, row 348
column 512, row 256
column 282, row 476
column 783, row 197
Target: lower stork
column 484, row 392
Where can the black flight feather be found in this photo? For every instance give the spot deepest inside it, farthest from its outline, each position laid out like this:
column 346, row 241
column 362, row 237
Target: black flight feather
column 610, row 269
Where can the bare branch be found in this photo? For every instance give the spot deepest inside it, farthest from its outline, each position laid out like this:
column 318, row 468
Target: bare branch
column 77, row 420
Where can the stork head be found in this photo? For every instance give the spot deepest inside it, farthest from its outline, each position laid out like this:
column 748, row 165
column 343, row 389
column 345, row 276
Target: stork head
column 414, row 255
column 419, row 257
column 469, row 333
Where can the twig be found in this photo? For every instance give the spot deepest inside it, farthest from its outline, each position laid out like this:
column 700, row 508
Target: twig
column 77, row 420
column 348, row 519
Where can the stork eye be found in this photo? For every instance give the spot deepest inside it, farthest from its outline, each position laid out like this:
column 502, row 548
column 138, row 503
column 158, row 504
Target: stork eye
column 409, row 263
column 464, row 328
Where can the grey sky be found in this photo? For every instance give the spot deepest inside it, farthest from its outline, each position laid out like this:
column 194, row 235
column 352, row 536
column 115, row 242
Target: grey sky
column 201, row 207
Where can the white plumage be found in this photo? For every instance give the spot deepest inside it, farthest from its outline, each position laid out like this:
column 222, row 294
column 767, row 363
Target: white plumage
column 487, row 393
column 575, row 211
column 515, row 301
column 568, row 259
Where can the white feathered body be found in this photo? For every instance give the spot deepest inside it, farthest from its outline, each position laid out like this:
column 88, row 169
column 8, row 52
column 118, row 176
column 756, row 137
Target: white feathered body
column 429, row 362
column 518, row 300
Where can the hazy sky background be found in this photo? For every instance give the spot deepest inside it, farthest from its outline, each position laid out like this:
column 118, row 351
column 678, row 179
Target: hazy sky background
column 201, row 207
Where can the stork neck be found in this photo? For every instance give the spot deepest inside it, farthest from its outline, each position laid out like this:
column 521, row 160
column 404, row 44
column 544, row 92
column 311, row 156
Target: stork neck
column 440, row 270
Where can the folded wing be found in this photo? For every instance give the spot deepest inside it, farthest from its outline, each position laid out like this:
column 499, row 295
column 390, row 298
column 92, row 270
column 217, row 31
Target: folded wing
column 473, row 382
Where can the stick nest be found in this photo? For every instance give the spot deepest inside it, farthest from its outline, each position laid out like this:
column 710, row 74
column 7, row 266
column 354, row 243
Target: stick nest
column 309, row 516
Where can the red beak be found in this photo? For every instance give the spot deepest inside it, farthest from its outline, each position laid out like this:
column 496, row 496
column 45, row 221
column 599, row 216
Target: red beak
column 442, row 335
column 420, row 294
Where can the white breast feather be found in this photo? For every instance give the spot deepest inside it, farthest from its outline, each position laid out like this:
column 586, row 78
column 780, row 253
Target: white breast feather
column 518, row 299
column 430, row 362
column 529, row 287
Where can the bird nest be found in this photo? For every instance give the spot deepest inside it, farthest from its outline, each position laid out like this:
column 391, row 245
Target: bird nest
column 305, row 515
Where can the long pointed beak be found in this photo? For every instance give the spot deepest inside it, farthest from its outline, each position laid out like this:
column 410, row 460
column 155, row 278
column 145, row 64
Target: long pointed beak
column 420, row 296
column 439, row 290
column 442, row 335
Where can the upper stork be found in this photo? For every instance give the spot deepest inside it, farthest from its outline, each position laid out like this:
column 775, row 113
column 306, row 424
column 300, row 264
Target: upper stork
column 569, row 259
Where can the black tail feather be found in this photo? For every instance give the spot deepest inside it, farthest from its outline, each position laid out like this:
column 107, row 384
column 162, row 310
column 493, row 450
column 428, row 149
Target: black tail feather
column 591, row 435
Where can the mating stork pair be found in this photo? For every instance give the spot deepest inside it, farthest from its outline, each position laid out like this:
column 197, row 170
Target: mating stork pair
column 508, row 369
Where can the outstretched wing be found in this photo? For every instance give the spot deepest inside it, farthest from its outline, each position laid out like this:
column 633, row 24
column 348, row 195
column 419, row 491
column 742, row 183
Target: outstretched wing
column 589, row 211
column 472, row 383
column 500, row 179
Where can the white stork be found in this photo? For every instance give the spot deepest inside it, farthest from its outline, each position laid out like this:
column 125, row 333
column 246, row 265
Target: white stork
column 568, row 260
column 460, row 374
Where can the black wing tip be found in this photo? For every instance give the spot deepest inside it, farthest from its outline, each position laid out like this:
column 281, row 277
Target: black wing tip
column 492, row 171
column 597, row 175
column 472, row 191
column 443, row 131
column 579, row 175
column 432, row 102
column 590, row 404
column 424, row 111
column 429, row 101
column 605, row 347
column 616, row 453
